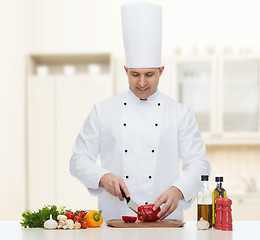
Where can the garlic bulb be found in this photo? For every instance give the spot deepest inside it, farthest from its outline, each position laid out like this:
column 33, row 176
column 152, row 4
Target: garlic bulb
column 50, row 224
column 202, row 224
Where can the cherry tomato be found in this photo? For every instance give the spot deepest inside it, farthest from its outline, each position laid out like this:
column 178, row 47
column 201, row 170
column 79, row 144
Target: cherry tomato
column 82, row 214
column 69, row 215
column 129, row 219
column 84, row 224
column 76, row 213
column 77, row 219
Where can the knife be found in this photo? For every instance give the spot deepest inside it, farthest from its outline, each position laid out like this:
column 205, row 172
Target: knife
column 130, row 203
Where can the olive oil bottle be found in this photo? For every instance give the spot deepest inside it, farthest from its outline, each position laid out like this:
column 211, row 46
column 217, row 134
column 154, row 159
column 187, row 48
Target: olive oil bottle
column 218, row 192
column 205, row 201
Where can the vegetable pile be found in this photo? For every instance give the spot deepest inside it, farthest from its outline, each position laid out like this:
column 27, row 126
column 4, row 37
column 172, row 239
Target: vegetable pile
column 36, row 219
column 50, row 217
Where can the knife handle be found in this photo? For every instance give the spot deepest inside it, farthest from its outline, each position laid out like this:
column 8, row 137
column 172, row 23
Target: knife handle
column 124, row 196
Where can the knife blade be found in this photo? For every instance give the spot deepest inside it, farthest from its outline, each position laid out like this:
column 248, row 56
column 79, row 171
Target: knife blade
column 130, row 203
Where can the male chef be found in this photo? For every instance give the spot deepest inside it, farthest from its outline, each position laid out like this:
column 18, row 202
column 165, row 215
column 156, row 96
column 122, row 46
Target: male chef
column 141, row 133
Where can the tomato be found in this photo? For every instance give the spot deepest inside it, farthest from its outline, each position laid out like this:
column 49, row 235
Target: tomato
column 77, row 219
column 84, row 224
column 128, row 219
column 69, row 215
column 82, row 214
column 76, row 213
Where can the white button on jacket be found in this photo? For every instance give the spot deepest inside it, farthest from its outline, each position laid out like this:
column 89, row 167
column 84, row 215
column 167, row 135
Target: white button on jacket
column 140, row 141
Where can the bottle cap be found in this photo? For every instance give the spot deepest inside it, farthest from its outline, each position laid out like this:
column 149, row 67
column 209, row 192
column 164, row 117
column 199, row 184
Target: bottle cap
column 204, row 177
column 219, row 179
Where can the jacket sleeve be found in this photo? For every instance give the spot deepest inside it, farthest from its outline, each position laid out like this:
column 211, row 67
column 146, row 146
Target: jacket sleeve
column 192, row 151
column 83, row 164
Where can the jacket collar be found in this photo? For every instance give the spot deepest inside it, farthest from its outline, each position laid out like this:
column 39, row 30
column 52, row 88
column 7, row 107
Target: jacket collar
column 149, row 99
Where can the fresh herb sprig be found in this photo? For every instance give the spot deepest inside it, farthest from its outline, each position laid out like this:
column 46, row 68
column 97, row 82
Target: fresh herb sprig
column 34, row 219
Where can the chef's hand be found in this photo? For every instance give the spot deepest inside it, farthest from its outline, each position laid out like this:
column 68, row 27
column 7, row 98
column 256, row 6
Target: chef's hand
column 171, row 199
column 112, row 185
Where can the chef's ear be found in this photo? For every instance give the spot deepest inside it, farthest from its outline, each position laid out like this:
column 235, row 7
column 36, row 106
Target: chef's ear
column 126, row 69
column 161, row 70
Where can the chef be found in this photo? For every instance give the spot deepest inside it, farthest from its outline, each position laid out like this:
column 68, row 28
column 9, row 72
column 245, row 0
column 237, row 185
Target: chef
column 140, row 134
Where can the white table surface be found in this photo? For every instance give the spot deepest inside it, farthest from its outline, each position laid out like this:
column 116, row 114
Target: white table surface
column 241, row 230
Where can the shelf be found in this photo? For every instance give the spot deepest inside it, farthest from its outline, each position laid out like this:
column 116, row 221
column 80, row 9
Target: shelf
column 231, row 141
column 100, row 76
column 69, row 64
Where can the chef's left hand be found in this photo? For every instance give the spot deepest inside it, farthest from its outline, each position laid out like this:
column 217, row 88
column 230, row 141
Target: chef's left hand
column 171, row 199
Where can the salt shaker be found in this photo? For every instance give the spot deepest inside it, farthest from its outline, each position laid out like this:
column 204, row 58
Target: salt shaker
column 218, row 219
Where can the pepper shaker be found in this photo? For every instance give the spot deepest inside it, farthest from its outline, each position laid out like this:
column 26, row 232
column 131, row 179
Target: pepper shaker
column 226, row 215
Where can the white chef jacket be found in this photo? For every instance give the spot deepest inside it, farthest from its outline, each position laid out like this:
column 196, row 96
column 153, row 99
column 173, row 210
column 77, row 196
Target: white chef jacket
column 140, row 141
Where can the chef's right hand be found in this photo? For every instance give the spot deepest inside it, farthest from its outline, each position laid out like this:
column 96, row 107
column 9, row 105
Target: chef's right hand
column 112, row 185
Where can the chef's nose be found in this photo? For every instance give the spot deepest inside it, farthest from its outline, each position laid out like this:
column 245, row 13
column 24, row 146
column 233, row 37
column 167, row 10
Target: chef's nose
column 142, row 81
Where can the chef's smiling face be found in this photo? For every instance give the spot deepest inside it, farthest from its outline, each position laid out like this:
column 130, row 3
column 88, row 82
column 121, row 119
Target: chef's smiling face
column 143, row 82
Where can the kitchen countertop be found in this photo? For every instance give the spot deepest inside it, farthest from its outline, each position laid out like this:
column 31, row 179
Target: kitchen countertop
column 241, row 230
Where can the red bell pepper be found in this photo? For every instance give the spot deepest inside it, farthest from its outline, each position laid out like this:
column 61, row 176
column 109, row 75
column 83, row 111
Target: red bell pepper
column 147, row 214
column 128, row 219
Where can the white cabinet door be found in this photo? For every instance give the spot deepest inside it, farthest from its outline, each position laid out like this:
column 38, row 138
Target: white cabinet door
column 240, row 96
column 74, row 99
column 196, row 89
column 41, row 142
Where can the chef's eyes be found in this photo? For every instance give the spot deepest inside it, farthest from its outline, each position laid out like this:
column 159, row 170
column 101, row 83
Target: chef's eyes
column 149, row 74
column 137, row 74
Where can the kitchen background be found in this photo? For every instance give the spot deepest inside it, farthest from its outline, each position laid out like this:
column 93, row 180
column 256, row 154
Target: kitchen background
column 59, row 57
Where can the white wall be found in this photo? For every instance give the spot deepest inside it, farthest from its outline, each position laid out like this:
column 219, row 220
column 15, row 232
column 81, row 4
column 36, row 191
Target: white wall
column 86, row 25
column 76, row 26
column 14, row 39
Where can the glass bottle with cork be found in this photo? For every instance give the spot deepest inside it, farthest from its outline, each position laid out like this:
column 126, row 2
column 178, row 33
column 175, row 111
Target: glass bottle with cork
column 205, row 201
column 218, row 192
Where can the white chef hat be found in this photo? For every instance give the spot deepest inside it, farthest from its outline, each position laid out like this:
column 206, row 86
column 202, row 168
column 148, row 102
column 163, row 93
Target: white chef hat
column 142, row 34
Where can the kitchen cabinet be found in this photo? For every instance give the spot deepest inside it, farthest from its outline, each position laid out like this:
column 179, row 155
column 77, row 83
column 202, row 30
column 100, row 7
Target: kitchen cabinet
column 74, row 99
column 57, row 105
column 223, row 93
column 41, row 170
column 195, row 86
column 239, row 95
column 245, row 207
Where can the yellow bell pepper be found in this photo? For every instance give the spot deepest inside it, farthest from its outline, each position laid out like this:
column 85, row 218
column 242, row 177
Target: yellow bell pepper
column 93, row 218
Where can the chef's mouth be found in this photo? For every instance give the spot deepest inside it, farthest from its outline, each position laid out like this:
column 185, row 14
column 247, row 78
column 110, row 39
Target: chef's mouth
column 142, row 90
